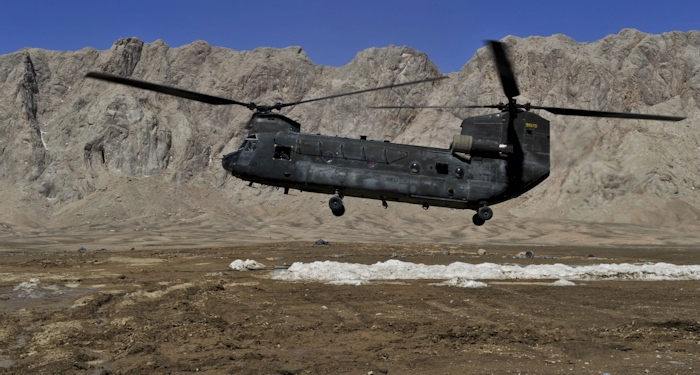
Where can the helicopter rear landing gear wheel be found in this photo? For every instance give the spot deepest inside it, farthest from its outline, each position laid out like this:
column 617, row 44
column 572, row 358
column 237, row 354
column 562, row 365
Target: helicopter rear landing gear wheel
column 477, row 220
column 336, row 205
column 485, row 213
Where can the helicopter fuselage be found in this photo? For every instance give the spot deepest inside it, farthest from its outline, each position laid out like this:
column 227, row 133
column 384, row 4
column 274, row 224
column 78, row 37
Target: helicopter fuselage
column 276, row 153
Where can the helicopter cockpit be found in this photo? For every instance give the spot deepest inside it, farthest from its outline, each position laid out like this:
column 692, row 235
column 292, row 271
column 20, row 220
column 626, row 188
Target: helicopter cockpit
column 246, row 150
column 250, row 144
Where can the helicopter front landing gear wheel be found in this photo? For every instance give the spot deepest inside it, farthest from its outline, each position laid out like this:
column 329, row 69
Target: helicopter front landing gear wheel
column 485, row 213
column 477, row 220
column 339, row 212
column 336, row 205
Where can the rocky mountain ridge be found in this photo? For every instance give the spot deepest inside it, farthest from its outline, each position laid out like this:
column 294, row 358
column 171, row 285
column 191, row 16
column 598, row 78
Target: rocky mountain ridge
column 75, row 151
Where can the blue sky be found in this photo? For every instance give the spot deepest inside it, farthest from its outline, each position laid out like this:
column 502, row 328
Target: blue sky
column 331, row 32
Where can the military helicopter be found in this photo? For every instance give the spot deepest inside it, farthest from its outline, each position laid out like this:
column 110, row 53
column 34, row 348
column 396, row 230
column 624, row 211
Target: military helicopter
column 495, row 158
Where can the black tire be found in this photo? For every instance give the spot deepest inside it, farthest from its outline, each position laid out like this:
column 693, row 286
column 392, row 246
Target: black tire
column 485, row 213
column 336, row 203
column 477, row 220
column 339, row 212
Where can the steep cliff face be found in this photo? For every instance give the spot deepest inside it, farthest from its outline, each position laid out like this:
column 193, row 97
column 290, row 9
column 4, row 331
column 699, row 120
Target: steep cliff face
column 69, row 145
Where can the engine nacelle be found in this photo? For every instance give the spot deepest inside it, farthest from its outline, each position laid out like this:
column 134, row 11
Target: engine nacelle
column 467, row 145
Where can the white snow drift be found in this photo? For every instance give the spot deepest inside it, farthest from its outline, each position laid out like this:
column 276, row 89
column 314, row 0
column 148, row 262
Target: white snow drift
column 33, row 290
column 460, row 274
column 461, row 282
column 245, row 265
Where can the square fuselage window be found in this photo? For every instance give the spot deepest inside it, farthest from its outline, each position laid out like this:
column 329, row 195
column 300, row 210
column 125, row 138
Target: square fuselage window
column 283, row 152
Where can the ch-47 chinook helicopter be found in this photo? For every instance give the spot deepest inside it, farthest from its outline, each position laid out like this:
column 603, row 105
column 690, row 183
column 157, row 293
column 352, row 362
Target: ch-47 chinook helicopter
column 496, row 157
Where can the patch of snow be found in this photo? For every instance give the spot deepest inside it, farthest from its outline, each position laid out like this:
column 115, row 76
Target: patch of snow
column 31, row 289
column 41, row 135
column 461, row 282
column 245, row 265
column 28, row 289
column 562, row 282
column 393, row 269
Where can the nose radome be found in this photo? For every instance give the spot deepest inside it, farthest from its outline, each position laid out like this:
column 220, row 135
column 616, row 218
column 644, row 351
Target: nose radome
column 229, row 161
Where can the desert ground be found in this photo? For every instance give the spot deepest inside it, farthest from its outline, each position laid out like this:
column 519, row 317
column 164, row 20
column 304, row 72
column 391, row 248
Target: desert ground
column 180, row 309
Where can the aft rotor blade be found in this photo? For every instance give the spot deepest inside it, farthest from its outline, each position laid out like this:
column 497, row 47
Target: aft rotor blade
column 167, row 90
column 505, row 71
column 587, row 113
column 360, row 91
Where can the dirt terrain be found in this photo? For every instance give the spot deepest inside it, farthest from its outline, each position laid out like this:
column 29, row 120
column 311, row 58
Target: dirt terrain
column 183, row 310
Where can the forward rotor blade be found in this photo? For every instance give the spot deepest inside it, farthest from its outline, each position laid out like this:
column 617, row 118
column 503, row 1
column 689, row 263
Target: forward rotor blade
column 359, row 92
column 587, row 113
column 505, row 71
column 167, row 90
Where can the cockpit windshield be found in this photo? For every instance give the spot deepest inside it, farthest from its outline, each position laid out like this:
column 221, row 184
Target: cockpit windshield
column 249, row 144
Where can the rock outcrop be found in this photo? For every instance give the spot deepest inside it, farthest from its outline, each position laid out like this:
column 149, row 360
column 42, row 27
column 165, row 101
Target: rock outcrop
column 73, row 149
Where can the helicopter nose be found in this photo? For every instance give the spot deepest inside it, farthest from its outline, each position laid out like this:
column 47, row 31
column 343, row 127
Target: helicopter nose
column 229, row 161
